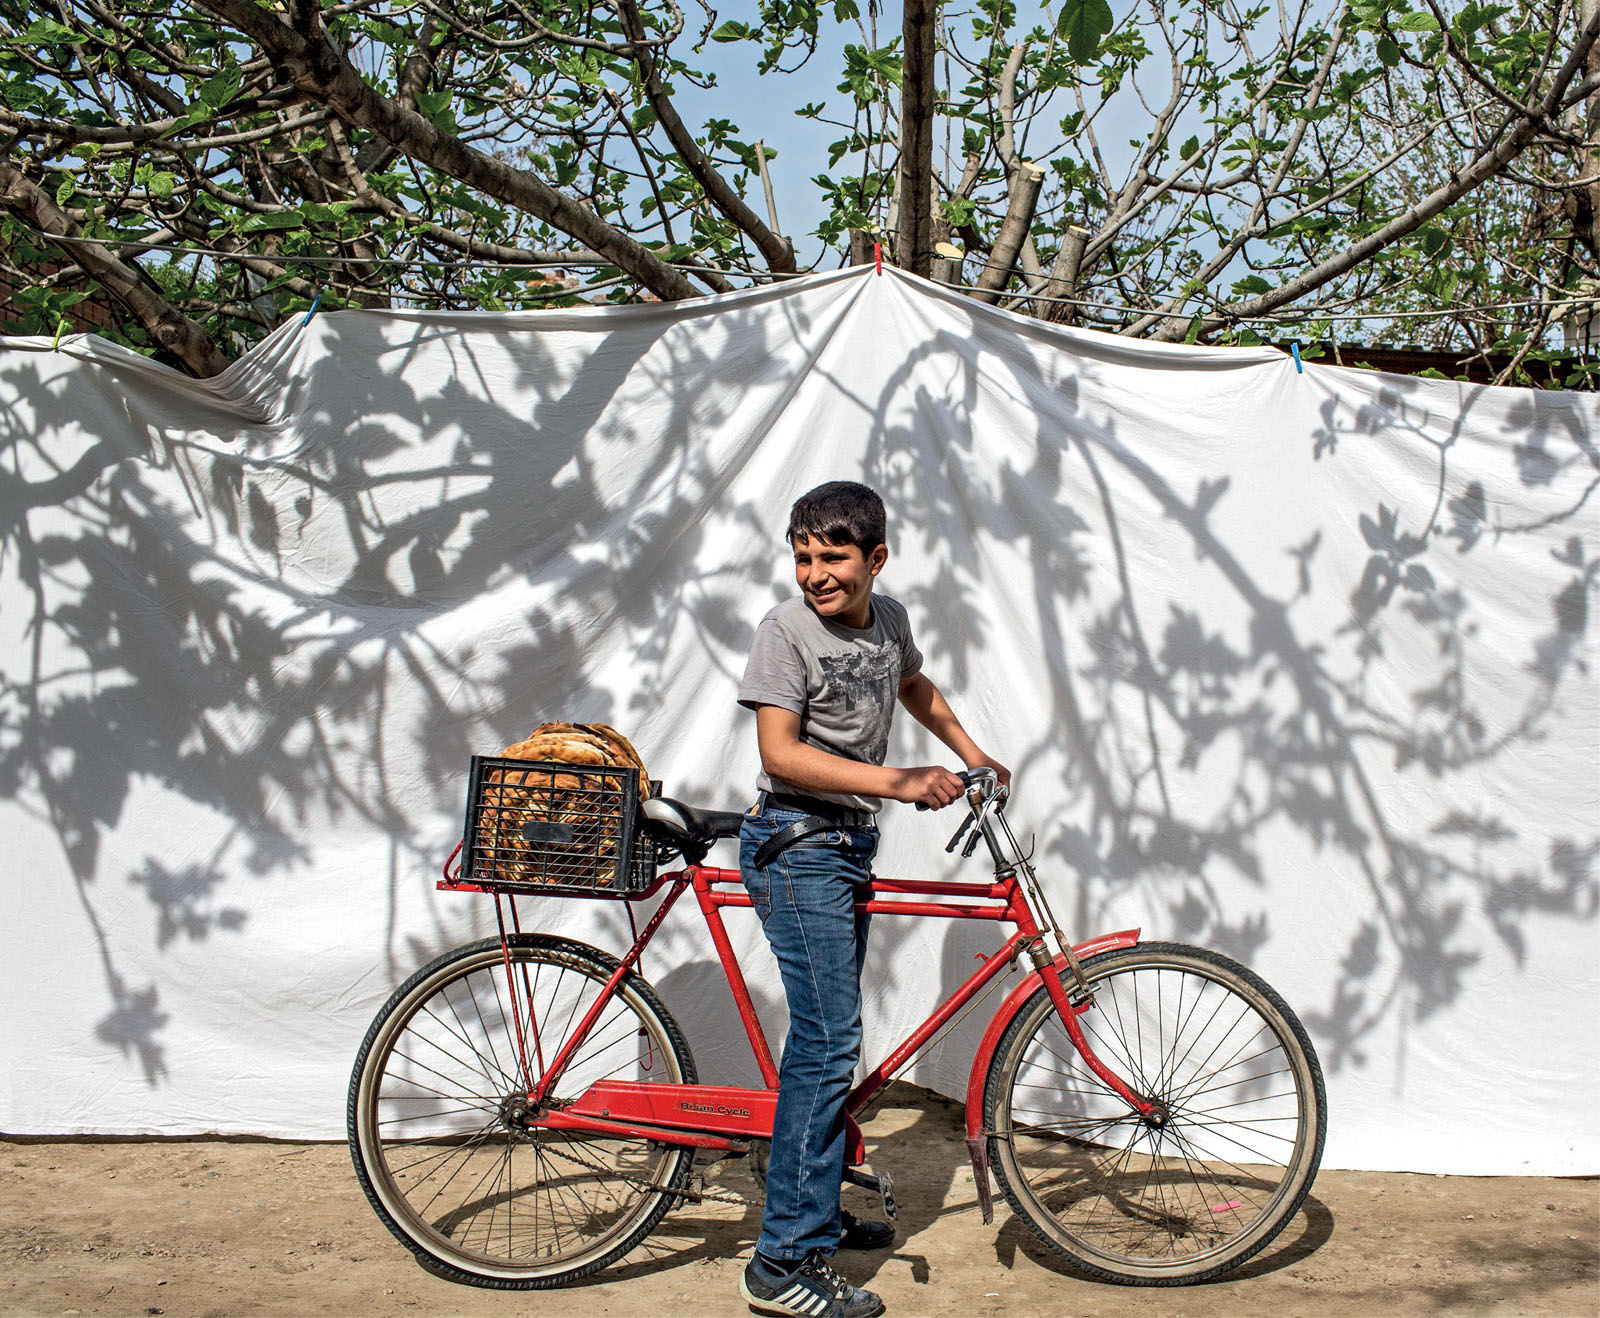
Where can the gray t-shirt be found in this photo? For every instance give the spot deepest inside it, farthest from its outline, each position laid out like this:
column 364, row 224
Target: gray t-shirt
column 842, row 681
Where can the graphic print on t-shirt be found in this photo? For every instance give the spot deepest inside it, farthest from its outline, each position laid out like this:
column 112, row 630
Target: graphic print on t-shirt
column 868, row 677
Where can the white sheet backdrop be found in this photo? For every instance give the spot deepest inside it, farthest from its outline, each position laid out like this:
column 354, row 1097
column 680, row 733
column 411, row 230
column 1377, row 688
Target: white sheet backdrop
column 1299, row 666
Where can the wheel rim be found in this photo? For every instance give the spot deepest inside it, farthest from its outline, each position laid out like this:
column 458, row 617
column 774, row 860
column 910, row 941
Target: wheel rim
column 443, row 1119
column 1214, row 1174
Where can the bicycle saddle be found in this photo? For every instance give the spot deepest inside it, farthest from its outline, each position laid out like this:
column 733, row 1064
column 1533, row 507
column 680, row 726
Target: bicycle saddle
column 687, row 823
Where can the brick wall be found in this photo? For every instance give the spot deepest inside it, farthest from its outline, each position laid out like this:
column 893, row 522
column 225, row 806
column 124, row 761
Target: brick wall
column 98, row 312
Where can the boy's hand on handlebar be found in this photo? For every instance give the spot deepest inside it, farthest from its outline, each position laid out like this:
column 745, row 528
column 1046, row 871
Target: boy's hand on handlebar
column 932, row 786
column 989, row 762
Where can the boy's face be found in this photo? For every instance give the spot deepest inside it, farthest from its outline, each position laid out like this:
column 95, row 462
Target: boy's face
column 837, row 579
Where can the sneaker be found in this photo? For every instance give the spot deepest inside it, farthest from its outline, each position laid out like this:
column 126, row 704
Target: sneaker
column 859, row 1233
column 811, row 1290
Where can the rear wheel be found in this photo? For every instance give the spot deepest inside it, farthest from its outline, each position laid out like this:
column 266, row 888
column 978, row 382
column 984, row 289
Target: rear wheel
column 1215, row 1174
column 440, row 1127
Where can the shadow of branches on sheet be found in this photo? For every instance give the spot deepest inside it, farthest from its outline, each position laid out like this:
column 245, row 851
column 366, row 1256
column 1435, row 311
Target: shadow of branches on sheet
column 301, row 628
column 1220, row 724
column 296, row 638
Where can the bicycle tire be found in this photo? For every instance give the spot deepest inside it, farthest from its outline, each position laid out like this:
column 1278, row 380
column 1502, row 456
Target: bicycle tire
column 1135, row 1203
column 437, row 1149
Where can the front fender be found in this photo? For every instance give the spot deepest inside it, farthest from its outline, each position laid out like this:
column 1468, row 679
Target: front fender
column 1014, row 1003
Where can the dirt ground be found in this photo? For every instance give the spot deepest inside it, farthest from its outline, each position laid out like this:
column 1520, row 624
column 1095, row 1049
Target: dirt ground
column 235, row 1228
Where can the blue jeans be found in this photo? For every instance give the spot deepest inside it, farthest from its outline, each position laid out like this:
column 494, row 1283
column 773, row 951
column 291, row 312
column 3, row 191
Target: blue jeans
column 806, row 901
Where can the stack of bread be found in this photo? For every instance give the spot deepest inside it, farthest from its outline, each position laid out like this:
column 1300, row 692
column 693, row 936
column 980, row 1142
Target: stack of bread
column 580, row 743
column 591, row 805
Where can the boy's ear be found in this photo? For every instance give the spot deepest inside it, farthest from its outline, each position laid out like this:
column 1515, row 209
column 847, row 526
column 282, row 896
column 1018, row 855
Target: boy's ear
column 877, row 558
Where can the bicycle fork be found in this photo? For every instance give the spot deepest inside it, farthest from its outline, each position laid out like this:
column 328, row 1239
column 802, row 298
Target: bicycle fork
column 1049, row 971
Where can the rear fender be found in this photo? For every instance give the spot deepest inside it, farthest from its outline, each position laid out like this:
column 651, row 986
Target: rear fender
column 1015, row 1001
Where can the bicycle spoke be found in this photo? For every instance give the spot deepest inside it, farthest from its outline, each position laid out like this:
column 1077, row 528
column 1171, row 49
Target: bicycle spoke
column 462, row 1033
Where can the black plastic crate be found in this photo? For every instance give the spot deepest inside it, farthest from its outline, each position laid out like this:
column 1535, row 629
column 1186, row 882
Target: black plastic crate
column 551, row 827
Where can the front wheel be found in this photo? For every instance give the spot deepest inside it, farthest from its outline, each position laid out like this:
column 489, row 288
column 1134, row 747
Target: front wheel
column 1207, row 1181
column 445, row 1143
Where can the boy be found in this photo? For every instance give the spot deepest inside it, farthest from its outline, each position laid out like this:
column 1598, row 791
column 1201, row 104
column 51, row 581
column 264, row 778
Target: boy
column 824, row 672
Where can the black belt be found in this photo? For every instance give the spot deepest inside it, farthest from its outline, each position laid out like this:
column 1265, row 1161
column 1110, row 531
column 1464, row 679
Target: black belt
column 841, row 816
column 822, row 816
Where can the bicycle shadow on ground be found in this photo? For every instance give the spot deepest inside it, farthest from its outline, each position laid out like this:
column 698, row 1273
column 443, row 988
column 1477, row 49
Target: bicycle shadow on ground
column 917, row 1137
column 711, row 1231
column 913, row 1133
column 1308, row 1231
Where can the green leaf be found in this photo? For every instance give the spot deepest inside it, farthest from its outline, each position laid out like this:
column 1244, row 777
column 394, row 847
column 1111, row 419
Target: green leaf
column 320, row 213
column 1189, row 148
column 1193, row 333
column 161, row 185
column 1083, row 23
column 47, row 32
column 274, row 220
column 435, row 107
column 732, row 31
column 959, row 211
column 1250, row 285
column 1417, row 23
column 1389, row 51
column 218, row 91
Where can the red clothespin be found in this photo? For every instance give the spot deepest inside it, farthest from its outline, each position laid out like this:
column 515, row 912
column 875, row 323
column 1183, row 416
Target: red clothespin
column 877, row 256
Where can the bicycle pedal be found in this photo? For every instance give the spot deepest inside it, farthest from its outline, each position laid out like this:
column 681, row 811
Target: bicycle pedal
column 891, row 1210
column 881, row 1184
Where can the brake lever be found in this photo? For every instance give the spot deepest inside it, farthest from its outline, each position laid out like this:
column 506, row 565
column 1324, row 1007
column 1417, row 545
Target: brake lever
column 959, row 833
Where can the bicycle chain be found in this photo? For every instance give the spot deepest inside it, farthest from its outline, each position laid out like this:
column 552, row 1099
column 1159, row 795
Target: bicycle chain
column 639, row 1183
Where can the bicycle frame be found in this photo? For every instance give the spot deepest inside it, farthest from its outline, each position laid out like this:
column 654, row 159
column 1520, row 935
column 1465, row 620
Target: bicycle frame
column 526, row 1142
column 725, row 1117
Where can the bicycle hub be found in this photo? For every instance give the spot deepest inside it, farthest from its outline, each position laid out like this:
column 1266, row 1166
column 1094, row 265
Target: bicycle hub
column 518, row 1111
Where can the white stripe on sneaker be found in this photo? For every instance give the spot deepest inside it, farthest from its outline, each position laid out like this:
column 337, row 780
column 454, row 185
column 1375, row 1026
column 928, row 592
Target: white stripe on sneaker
column 802, row 1299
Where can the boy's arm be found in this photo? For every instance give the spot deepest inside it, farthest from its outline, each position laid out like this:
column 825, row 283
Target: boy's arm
column 926, row 703
column 786, row 757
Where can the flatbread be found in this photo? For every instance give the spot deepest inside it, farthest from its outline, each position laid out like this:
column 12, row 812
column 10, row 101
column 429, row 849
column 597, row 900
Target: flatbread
column 580, row 743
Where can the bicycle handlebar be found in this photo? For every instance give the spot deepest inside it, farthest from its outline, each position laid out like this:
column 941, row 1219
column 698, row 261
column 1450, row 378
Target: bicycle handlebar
column 986, row 778
column 985, row 794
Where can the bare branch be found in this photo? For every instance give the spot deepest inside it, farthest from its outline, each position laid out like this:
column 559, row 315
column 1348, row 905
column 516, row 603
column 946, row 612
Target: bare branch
column 1002, row 260
column 777, row 251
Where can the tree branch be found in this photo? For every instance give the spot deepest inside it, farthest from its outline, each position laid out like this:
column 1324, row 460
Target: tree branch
column 166, row 325
column 309, row 61
column 777, row 251
column 1508, row 142
column 915, row 183
column 1019, row 216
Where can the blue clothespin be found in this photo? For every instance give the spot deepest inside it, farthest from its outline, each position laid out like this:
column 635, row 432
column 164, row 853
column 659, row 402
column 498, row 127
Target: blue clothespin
column 1294, row 349
column 316, row 301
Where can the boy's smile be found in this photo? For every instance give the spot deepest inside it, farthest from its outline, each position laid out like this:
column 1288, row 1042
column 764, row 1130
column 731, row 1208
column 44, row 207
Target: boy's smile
column 837, row 579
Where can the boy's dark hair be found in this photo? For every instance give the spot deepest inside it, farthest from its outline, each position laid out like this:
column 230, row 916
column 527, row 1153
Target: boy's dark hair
column 839, row 513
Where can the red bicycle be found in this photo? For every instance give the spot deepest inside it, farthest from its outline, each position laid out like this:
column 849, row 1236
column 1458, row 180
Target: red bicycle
column 524, row 1110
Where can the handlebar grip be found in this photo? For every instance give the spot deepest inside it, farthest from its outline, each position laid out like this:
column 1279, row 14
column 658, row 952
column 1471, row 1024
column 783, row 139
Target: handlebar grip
column 967, row 776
